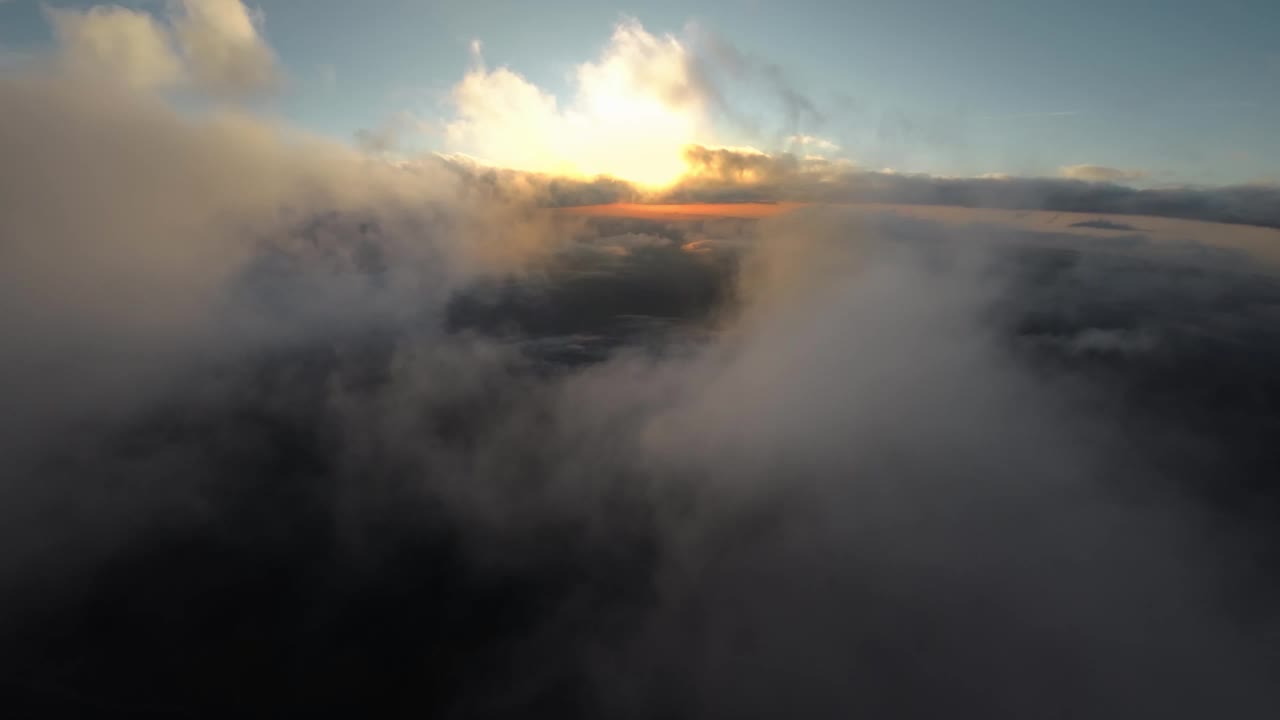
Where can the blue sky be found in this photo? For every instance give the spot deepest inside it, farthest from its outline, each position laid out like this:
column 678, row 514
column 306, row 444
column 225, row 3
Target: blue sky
column 1184, row 91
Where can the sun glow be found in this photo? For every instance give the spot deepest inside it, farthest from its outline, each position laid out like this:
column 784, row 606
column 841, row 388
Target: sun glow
column 633, row 113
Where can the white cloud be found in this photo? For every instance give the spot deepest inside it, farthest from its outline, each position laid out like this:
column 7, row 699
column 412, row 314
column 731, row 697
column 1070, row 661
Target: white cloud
column 225, row 53
column 1100, row 173
column 130, row 46
column 633, row 112
column 812, row 143
column 212, row 46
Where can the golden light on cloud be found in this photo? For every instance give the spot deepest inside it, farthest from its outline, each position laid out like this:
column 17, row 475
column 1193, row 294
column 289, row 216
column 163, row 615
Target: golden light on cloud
column 633, row 112
column 683, row 211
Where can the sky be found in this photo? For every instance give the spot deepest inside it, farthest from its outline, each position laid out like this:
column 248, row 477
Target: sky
column 1166, row 93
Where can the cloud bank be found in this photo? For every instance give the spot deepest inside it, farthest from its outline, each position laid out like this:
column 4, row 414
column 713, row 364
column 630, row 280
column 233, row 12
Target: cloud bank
column 642, row 119
column 720, row 174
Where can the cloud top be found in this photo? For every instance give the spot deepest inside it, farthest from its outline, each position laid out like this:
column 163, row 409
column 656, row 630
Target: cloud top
column 212, row 47
column 133, row 47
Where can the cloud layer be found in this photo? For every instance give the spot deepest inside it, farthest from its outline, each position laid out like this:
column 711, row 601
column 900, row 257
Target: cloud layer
column 297, row 430
column 720, row 174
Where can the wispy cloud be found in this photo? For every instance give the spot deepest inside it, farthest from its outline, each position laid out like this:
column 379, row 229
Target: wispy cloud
column 813, row 143
column 1100, row 173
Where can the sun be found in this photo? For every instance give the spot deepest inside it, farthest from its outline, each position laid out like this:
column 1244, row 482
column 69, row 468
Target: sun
column 629, row 136
column 633, row 113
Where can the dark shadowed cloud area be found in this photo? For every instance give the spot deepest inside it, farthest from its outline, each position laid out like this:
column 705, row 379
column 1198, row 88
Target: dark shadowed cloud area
column 294, row 430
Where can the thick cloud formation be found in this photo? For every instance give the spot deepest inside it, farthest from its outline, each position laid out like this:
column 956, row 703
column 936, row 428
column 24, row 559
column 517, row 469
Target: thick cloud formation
column 210, row 46
column 226, row 55
column 120, row 246
column 292, row 430
column 133, row 46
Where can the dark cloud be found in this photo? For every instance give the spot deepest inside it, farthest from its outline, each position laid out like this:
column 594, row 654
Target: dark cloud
column 293, row 430
column 1103, row 224
column 540, row 189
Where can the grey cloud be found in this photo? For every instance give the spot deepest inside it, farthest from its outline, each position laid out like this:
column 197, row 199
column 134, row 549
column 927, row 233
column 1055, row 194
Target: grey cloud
column 1103, row 224
column 119, row 245
column 1110, row 341
column 540, row 189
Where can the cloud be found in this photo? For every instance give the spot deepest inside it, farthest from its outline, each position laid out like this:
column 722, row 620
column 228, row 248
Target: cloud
column 211, row 46
column 812, row 143
column 226, row 56
column 389, row 137
column 163, row 214
column 130, row 46
column 632, row 112
column 714, row 174
column 541, row 189
column 719, row 174
column 727, row 175
column 721, row 67
column 1103, row 224
column 734, row 165
column 290, row 427
column 1100, row 173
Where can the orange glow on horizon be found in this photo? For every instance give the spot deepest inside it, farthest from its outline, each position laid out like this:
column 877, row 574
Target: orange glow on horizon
column 683, row 211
